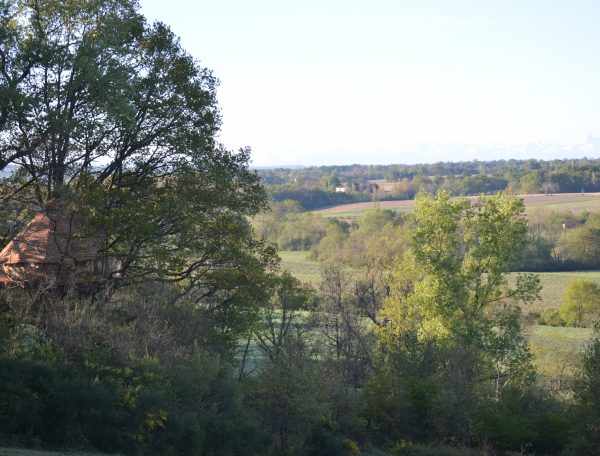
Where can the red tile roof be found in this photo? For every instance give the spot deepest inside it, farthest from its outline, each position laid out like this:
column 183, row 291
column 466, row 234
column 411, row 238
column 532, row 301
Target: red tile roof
column 52, row 237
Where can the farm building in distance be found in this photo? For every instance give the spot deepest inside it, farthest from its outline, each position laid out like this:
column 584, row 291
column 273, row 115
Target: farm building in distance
column 53, row 251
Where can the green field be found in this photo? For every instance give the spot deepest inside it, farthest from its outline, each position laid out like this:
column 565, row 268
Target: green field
column 557, row 351
column 554, row 284
column 575, row 202
column 301, row 266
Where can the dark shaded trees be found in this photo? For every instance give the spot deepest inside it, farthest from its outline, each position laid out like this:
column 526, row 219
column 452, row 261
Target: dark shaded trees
column 586, row 439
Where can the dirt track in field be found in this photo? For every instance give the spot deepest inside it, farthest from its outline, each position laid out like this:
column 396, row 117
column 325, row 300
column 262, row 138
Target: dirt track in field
column 574, row 201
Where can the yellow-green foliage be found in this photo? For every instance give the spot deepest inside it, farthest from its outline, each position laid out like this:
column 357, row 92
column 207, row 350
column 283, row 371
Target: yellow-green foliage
column 457, row 267
column 581, row 303
column 375, row 241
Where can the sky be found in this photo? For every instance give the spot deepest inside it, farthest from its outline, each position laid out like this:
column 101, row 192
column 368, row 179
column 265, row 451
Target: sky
column 317, row 82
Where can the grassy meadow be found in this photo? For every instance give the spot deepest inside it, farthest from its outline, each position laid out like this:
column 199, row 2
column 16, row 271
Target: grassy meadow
column 553, row 287
column 301, row 266
column 575, row 202
column 556, row 350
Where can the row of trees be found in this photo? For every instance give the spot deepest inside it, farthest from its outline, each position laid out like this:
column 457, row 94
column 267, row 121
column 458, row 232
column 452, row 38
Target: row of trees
column 556, row 241
column 315, row 187
column 512, row 167
column 561, row 241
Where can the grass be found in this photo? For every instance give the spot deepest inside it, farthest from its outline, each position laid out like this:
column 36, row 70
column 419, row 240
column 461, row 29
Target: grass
column 575, row 202
column 301, row 266
column 553, row 287
column 557, row 351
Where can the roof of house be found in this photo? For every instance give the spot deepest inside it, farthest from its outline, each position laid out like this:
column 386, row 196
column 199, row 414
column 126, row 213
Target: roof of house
column 52, row 237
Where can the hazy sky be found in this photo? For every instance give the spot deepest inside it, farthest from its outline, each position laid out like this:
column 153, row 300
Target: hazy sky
column 369, row 81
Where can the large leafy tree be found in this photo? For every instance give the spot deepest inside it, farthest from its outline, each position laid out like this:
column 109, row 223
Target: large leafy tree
column 89, row 86
column 452, row 334
column 108, row 113
column 456, row 271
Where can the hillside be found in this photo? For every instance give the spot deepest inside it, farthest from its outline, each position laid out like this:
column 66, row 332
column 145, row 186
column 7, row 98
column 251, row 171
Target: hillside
column 576, row 202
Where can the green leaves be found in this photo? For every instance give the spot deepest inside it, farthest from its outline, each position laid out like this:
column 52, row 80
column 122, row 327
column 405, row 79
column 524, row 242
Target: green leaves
column 109, row 113
column 461, row 252
column 581, row 303
column 451, row 289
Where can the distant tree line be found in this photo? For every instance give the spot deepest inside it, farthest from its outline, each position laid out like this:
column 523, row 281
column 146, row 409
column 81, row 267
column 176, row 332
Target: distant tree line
column 316, row 187
column 314, row 198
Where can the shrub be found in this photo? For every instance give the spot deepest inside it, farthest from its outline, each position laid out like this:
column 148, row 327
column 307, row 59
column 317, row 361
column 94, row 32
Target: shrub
column 59, row 407
column 523, row 420
column 581, row 303
column 586, row 438
column 325, row 442
column 404, row 448
column 551, row 317
column 190, row 408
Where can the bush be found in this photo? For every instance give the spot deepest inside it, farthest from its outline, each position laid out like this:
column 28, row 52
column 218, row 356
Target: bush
column 324, row 442
column 551, row 317
column 523, row 420
column 191, row 408
column 404, row 448
column 586, row 438
column 581, row 303
column 59, row 407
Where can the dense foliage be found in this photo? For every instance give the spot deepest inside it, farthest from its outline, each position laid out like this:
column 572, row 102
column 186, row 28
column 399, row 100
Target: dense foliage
column 412, row 344
column 108, row 114
column 419, row 346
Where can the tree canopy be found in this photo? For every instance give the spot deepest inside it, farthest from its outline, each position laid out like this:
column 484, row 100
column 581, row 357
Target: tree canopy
column 581, row 303
column 457, row 266
column 108, row 112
